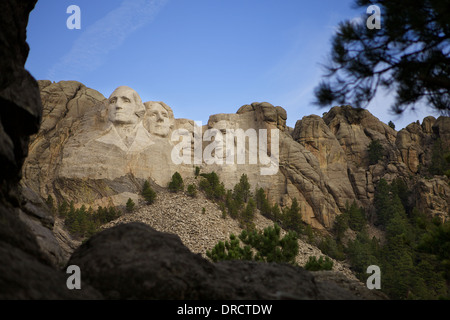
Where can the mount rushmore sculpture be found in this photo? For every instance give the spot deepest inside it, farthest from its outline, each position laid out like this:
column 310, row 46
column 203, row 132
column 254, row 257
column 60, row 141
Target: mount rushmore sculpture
column 99, row 151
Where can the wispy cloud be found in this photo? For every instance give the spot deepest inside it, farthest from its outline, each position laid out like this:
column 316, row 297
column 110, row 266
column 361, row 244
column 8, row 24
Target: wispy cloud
column 91, row 48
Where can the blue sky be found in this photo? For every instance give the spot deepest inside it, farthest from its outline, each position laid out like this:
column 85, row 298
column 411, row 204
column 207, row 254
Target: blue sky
column 201, row 57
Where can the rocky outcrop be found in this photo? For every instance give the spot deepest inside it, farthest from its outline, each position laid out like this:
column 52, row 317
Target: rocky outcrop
column 430, row 194
column 313, row 133
column 415, row 142
column 355, row 129
column 181, row 214
column 64, row 104
column 28, row 250
column 20, row 113
column 412, row 142
column 299, row 174
column 322, row 162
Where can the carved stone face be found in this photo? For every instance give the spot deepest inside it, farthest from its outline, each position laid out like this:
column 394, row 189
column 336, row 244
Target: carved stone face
column 160, row 119
column 125, row 106
column 222, row 122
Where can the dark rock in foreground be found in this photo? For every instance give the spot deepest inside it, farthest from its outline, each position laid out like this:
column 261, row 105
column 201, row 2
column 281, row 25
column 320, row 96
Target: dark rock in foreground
column 134, row 261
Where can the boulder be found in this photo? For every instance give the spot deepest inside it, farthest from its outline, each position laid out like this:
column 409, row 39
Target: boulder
column 134, row 261
column 28, row 250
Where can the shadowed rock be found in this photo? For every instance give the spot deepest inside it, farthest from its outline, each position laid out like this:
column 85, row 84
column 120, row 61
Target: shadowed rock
column 27, row 268
column 134, row 261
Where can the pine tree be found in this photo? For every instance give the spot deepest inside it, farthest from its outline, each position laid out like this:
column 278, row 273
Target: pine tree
column 275, row 211
column 248, row 213
column 83, row 219
column 408, row 54
column 148, row 193
column 399, row 188
column 242, row 189
column 268, row 245
column 439, row 164
column 176, row 184
column 264, row 206
column 429, row 282
column 437, row 242
column 130, row 205
column 230, row 250
column 341, row 225
column 63, row 209
column 398, row 268
column 361, row 254
column 91, row 228
column 382, row 202
column 74, row 227
column 192, row 190
column 330, row 247
column 398, row 224
column 101, row 215
column 292, row 217
column 113, row 214
column 51, row 205
column 375, row 150
column 71, row 216
column 260, row 196
column 315, row 264
column 211, row 185
column 238, row 197
column 356, row 217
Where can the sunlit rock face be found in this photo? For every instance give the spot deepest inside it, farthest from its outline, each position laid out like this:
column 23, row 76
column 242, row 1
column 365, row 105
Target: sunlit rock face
column 98, row 151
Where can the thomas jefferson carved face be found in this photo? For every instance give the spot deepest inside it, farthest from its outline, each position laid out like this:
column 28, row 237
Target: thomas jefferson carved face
column 160, row 118
column 125, row 106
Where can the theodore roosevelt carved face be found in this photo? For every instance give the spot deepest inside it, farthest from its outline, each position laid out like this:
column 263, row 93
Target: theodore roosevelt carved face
column 160, row 118
column 125, row 106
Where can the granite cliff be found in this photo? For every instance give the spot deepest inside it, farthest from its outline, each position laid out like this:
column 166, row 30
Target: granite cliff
column 323, row 162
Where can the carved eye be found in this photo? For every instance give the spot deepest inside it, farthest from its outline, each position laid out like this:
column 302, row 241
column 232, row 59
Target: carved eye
column 126, row 100
column 113, row 100
column 165, row 115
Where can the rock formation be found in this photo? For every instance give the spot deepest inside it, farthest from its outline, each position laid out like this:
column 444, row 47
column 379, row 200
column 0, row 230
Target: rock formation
column 181, row 214
column 155, row 265
column 28, row 249
column 81, row 154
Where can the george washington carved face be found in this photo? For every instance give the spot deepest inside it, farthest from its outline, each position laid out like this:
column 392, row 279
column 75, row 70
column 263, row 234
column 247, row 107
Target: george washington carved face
column 125, row 106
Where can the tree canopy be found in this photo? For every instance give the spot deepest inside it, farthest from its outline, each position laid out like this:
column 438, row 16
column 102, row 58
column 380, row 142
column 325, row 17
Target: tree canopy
column 409, row 54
